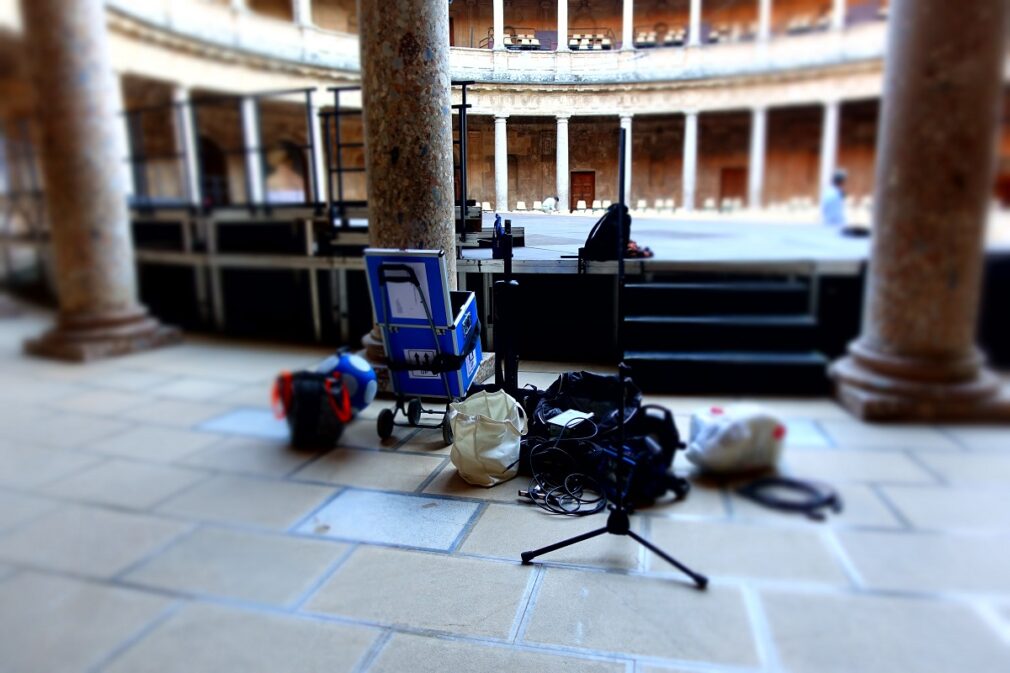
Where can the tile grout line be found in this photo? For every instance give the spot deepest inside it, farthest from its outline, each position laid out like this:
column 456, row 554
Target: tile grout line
column 136, row 637
column 761, row 630
column 517, row 634
column 370, row 656
column 468, row 527
column 323, row 578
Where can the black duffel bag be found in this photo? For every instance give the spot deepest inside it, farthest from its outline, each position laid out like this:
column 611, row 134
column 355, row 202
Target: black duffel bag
column 316, row 406
column 601, row 244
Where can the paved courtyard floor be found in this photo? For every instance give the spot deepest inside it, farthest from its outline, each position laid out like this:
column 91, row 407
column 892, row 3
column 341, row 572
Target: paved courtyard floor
column 153, row 519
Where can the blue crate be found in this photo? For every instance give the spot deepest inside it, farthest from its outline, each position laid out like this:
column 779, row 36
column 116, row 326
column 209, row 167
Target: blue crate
column 406, row 331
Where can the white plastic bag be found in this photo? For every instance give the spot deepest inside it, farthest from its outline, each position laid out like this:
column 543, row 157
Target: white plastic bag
column 486, row 429
column 735, row 438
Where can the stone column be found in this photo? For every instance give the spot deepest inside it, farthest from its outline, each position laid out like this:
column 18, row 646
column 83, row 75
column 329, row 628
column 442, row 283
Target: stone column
column 756, row 171
column 253, row 153
column 499, row 23
column 628, row 25
column 501, row 164
column 626, row 125
column 239, row 5
column 690, row 159
column 319, row 149
column 837, row 14
column 562, row 174
column 301, row 10
column 764, row 20
column 123, row 138
column 562, row 25
column 186, row 146
column 694, row 27
column 829, row 144
column 916, row 356
column 96, row 281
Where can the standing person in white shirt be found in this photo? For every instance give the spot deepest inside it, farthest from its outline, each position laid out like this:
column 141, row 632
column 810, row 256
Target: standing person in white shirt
column 833, row 201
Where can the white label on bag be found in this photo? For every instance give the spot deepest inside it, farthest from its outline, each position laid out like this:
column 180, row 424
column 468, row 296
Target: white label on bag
column 566, row 417
column 471, row 362
column 416, row 357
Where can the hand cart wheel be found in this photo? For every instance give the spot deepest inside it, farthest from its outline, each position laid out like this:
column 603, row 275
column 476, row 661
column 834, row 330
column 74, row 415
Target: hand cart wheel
column 414, row 411
column 446, row 431
column 385, row 424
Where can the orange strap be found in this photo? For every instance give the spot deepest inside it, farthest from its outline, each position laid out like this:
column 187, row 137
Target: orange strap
column 343, row 412
column 280, row 396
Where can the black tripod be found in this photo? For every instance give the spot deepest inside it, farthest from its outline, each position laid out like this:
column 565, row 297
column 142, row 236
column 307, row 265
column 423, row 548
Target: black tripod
column 618, row 522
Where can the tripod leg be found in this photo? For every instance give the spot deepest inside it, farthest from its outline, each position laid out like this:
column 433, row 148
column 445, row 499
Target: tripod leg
column 699, row 579
column 528, row 556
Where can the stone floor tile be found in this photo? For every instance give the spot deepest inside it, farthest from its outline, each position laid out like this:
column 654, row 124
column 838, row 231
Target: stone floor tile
column 448, row 482
column 61, row 430
column 213, row 639
column 58, row 625
column 701, row 501
column 505, row 531
column 848, row 465
column 392, row 518
column 371, row 469
column 953, row 508
column 730, row 549
column 251, row 455
column 260, row 423
column 175, row 413
column 421, row 654
column 88, row 540
column 246, row 500
column 853, row 434
column 861, row 506
column 99, row 402
column 125, row 483
column 154, row 443
column 426, row 441
column 30, row 467
column 361, row 433
column 845, row 633
column 926, row 562
column 132, row 380
column 642, row 616
column 16, row 508
column 425, row 591
column 261, row 568
column 198, row 390
column 981, row 437
column 978, row 468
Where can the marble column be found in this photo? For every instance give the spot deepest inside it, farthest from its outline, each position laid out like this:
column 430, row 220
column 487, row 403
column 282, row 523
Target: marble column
column 756, row 171
column 829, row 144
column 498, row 12
column 501, row 164
column 406, row 102
column 694, row 27
column 318, row 148
column 301, row 10
column 562, row 25
column 253, row 151
column 186, row 146
column 916, row 356
column 838, row 14
column 626, row 125
column 764, row 20
column 239, row 5
column 690, row 163
column 96, row 279
column 123, row 138
column 628, row 25
column 562, row 172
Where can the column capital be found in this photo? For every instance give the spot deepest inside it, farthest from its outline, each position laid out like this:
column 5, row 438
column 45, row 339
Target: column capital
column 626, row 116
column 563, row 118
column 500, row 117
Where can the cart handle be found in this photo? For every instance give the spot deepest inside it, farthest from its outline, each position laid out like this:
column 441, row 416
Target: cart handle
column 386, row 268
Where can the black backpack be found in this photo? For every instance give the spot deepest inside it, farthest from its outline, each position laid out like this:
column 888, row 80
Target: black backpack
column 316, row 406
column 601, row 245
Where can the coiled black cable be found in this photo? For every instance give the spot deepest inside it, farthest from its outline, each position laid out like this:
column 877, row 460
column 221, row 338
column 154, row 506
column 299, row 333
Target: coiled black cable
column 558, row 486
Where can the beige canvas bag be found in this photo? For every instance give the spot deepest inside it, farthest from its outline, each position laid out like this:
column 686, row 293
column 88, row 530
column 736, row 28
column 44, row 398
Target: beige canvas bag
column 486, row 429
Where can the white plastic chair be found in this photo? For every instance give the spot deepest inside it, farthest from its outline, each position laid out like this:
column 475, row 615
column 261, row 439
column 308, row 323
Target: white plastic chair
column 520, row 205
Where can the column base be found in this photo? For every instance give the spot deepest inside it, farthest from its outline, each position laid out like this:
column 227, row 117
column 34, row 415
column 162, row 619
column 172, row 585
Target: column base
column 874, row 396
column 88, row 337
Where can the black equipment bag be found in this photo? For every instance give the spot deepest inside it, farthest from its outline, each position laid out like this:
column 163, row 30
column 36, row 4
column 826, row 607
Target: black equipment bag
column 601, row 245
column 316, row 406
column 587, row 392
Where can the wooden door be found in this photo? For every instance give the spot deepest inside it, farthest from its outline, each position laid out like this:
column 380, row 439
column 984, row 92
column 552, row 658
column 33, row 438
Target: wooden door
column 583, row 188
column 733, row 184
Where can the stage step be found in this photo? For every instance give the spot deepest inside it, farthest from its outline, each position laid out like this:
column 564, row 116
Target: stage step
column 729, row 372
column 699, row 297
column 720, row 332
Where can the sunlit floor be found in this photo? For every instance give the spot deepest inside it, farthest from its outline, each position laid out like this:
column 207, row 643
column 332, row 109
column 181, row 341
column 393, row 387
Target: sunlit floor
column 152, row 518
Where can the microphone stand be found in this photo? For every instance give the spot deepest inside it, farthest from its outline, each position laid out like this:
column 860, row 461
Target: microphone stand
column 618, row 522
